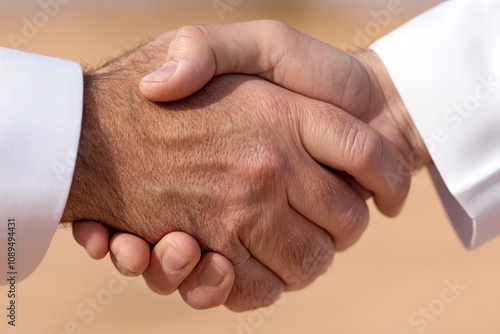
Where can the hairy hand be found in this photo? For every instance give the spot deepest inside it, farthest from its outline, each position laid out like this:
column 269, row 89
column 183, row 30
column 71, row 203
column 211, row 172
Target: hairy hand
column 239, row 166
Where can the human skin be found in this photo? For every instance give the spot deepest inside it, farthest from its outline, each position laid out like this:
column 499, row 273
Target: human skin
column 357, row 83
column 241, row 156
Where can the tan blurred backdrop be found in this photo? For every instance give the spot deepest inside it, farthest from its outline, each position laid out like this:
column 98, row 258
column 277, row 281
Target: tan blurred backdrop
column 391, row 282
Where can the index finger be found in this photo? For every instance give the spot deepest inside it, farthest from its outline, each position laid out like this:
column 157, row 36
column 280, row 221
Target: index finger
column 342, row 142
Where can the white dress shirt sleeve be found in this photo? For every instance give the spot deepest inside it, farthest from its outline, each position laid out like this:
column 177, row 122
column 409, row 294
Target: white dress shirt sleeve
column 446, row 66
column 40, row 120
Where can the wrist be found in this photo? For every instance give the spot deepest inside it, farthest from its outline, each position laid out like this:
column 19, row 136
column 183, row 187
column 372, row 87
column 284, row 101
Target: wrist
column 386, row 98
column 87, row 183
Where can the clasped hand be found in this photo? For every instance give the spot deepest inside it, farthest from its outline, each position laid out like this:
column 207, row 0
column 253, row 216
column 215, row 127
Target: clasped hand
column 245, row 188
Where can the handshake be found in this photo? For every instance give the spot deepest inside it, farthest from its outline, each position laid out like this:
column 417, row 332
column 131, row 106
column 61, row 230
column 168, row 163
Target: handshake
column 248, row 183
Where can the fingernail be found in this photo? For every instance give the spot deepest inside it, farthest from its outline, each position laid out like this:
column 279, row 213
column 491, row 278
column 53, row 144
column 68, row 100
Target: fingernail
column 124, row 271
column 173, row 260
column 212, row 275
column 163, row 73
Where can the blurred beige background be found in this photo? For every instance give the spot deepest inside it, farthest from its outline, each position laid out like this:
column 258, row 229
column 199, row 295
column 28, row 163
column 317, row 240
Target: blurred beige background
column 391, row 282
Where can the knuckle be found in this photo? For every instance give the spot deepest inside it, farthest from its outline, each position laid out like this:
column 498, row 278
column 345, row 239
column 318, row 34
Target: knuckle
column 285, row 42
column 266, row 163
column 368, row 149
column 254, row 287
column 191, row 33
column 258, row 174
column 242, row 218
column 351, row 222
column 312, row 266
column 253, row 295
column 275, row 26
column 348, row 216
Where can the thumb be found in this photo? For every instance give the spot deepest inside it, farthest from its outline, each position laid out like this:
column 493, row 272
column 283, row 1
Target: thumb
column 190, row 66
column 270, row 49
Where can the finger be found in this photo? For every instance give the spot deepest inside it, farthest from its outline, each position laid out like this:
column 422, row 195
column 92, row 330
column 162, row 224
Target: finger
column 255, row 286
column 130, row 254
column 200, row 52
column 172, row 260
column 210, row 283
column 326, row 199
column 93, row 237
column 342, row 142
column 365, row 194
column 298, row 254
column 190, row 66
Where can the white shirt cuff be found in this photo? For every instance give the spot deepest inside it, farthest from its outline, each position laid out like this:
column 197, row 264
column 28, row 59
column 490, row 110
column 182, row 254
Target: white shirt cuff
column 446, row 66
column 40, row 119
